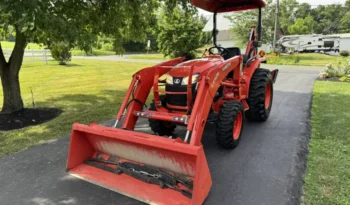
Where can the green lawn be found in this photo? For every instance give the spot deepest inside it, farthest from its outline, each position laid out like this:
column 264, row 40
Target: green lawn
column 75, row 52
column 85, row 90
column 10, row 45
column 327, row 179
column 309, row 59
column 149, row 57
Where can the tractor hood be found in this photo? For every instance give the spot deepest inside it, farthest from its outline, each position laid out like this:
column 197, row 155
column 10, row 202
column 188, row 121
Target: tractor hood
column 201, row 66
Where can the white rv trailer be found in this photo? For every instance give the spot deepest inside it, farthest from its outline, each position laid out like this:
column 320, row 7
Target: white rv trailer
column 310, row 43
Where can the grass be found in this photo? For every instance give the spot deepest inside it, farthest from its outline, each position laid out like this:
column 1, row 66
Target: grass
column 75, row 52
column 149, row 57
column 307, row 59
column 327, row 180
column 85, row 90
column 10, row 45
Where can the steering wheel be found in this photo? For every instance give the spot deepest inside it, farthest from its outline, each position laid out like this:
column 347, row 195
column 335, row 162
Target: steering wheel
column 222, row 51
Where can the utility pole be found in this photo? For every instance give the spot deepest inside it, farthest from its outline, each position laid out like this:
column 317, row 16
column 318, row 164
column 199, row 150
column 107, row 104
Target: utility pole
column 276, row 25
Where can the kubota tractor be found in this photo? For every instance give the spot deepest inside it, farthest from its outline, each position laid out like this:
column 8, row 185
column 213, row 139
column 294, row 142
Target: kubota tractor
column 224, row 87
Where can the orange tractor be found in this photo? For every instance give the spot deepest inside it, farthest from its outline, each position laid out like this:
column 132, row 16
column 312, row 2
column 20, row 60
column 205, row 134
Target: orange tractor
column 224, row 87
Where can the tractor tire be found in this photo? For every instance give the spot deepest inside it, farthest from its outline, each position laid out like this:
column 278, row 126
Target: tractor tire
column 229, row 125
column 260, row 96
column 162, row 128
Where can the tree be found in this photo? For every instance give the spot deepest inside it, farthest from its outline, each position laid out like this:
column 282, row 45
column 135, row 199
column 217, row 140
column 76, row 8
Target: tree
column 180, row 32
column 76, row 22
column 242, row 22
column 328, row 18
column 303, row 10
column 345, row 21
column 287, row 14
column 206, row 37
column 302, row 26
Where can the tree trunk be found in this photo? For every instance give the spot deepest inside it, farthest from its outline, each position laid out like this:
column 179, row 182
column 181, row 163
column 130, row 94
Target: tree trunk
column 11, row 90
column 9, row 72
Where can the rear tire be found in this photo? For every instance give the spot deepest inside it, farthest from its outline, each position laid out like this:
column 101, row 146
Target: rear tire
column 229, row 125
column 162, row 128
column 260, row 96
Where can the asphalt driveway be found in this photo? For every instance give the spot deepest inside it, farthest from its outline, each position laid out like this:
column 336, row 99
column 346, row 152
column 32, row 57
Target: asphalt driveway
column 266, row 168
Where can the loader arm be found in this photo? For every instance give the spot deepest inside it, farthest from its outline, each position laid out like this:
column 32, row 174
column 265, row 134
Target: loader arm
column 208, row 87
column 139, row 90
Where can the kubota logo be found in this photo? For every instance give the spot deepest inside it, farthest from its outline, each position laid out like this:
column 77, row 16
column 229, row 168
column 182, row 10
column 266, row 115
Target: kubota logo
column 177, row 81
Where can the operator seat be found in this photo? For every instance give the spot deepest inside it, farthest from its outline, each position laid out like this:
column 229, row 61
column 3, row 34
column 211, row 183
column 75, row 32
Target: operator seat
column 233, row 51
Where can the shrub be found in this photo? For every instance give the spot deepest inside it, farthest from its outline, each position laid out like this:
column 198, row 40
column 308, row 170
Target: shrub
column 340, row 71
column 296, row 58
column 345, row 78
column 347, row 68
column 107, row 47
column 61, row 52
column 344, row 53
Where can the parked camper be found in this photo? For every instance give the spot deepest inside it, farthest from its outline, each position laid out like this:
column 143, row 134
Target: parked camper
column 310, row 43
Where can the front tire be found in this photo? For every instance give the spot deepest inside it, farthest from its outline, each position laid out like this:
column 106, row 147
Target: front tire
column 229, row 125
column 162, row 128
column 260, row 96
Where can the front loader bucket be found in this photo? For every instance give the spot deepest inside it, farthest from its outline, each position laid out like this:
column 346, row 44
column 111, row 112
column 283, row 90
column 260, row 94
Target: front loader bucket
column 98, row 155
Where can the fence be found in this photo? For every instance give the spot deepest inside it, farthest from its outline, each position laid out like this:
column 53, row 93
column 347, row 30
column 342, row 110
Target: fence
column 32, row 55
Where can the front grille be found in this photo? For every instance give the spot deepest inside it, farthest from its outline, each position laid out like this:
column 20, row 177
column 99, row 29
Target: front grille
column 177, row 100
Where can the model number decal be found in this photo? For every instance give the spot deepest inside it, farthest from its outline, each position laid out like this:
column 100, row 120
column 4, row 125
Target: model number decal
column 215, row 78
column 226, row 66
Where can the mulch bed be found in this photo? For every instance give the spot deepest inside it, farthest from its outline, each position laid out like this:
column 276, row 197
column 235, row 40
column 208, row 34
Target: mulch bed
column 27, row 117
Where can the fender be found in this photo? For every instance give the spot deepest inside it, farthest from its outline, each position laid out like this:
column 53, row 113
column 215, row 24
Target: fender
column 248, row 73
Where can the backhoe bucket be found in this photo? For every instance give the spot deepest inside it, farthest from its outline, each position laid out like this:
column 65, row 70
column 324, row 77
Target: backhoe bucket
column 152, row 169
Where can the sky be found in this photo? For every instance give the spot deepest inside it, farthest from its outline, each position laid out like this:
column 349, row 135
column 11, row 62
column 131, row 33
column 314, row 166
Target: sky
column 311, row 2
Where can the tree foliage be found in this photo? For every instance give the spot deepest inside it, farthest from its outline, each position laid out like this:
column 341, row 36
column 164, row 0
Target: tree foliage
column 77, row 22
column 243, row 21
column 328, row 18
column 294, row 18
column 345, row 23
column 303, row 11
column 303, row 26
column 287, row 14
column 180, row 32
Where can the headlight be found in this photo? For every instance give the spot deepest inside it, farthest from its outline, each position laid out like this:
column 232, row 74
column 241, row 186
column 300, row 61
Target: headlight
column 169, row 80
column 194, row 79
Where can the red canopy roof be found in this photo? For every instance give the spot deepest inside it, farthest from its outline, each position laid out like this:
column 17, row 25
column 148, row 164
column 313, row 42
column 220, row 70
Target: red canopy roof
column 227, row 5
